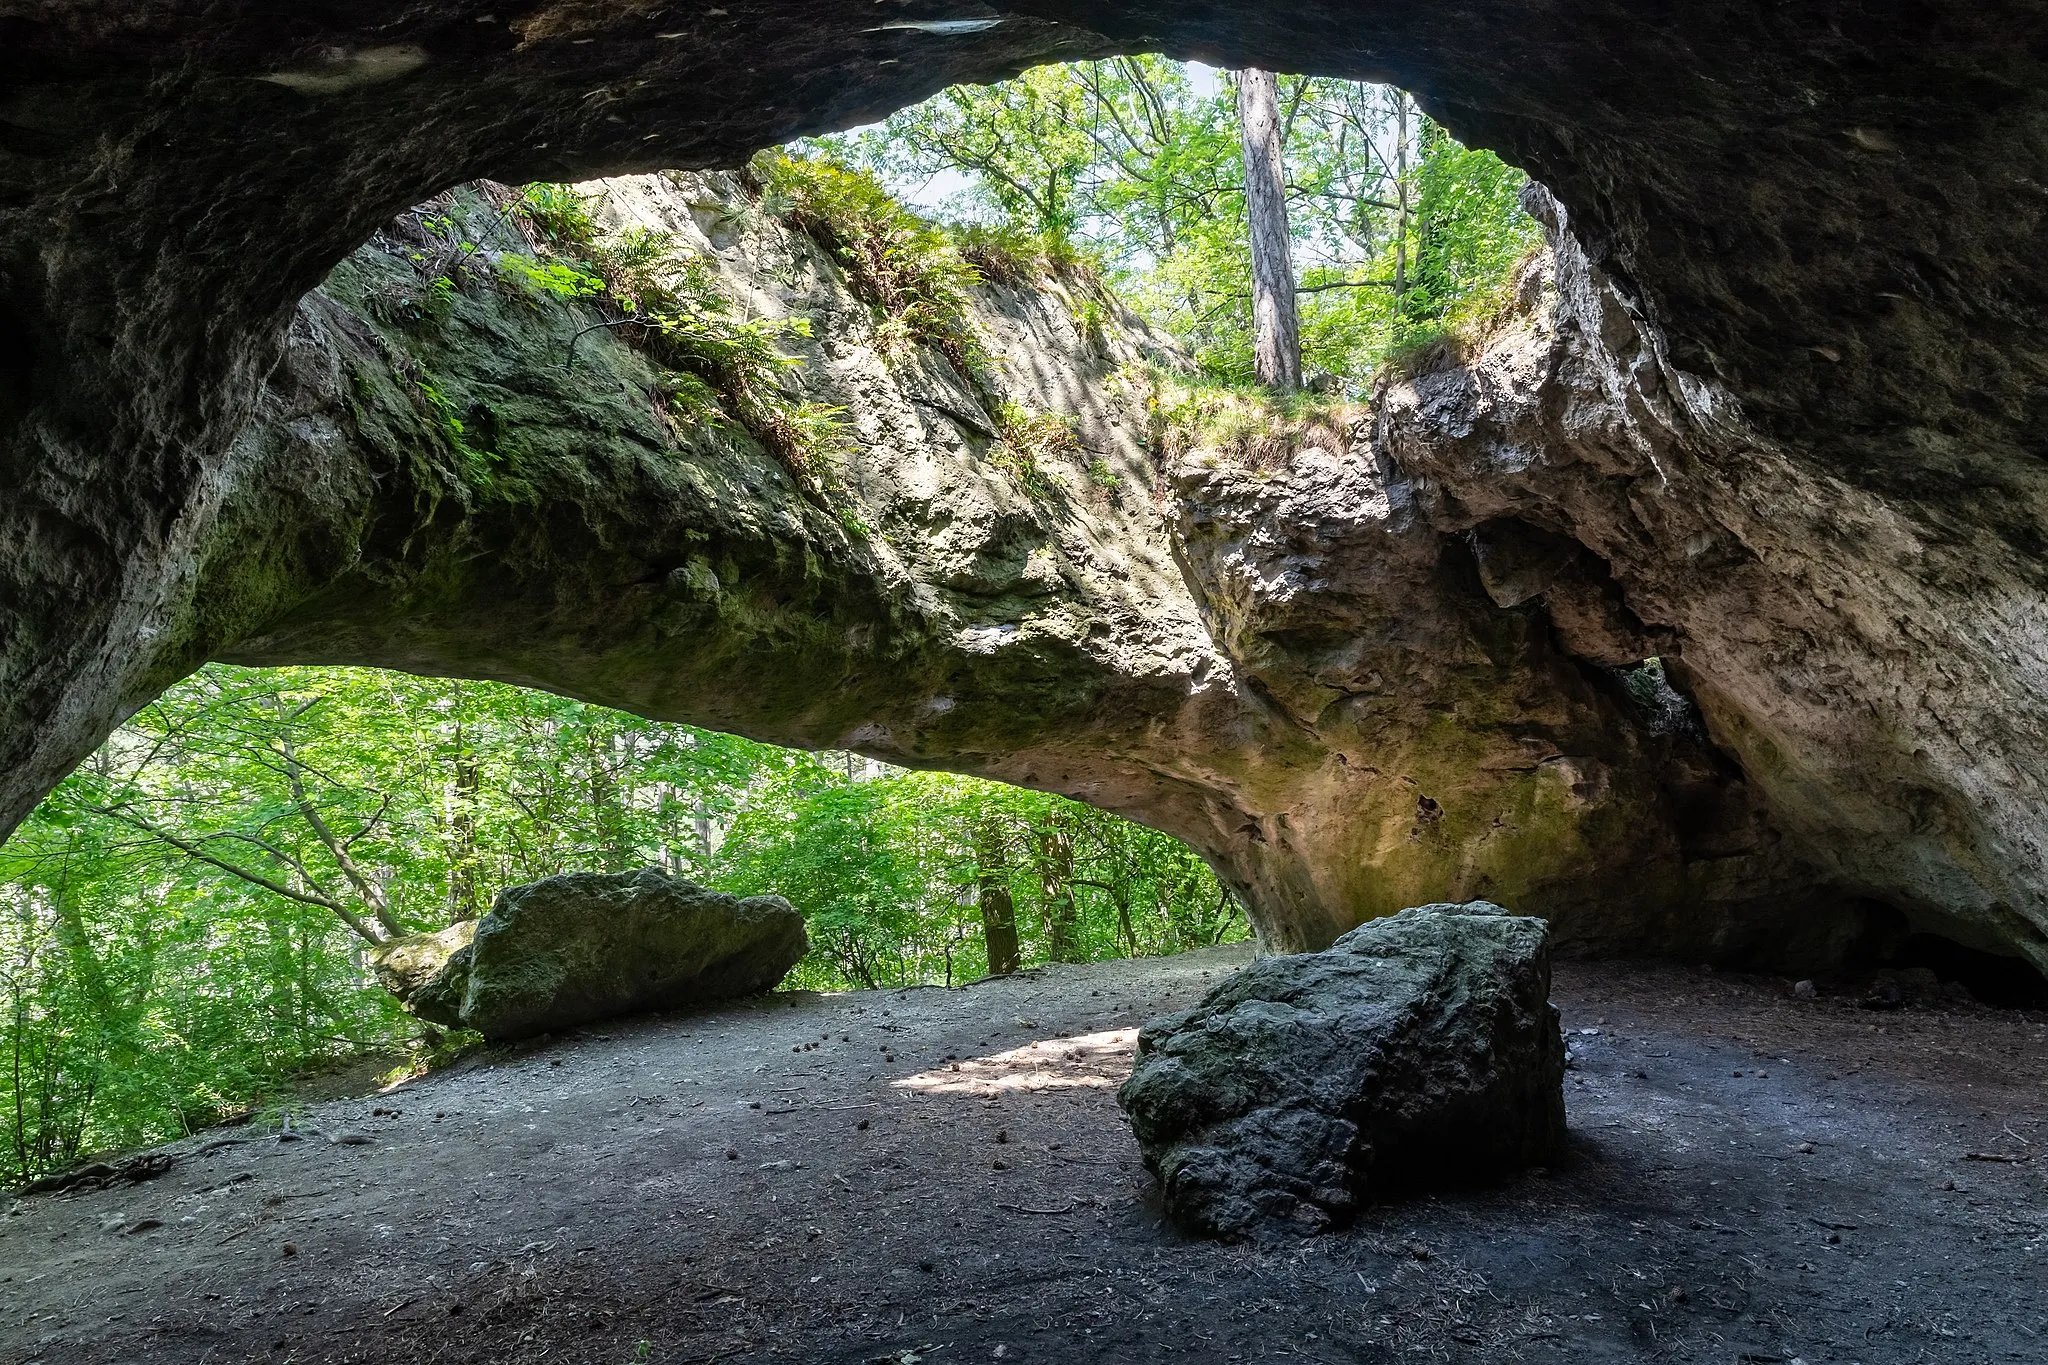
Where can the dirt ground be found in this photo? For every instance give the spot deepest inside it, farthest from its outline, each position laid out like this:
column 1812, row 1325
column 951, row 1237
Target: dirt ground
column 1756, row 1177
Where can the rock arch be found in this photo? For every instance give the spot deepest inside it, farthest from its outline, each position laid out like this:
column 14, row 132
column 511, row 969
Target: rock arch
column 1795, row 416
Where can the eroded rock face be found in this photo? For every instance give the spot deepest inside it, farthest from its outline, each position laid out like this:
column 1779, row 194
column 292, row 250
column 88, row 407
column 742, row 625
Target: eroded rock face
column 1801, row 386
column 413, row 968
column 1421, row 1048
column 585, row 946
column 1445, row 739
column 1285, row 665
column 1872, row 659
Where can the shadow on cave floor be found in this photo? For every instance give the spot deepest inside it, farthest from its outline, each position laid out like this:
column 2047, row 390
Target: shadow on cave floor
column 1758, row 1178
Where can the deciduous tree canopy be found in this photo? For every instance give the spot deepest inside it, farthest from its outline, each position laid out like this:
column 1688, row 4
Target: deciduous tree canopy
column 185, row 923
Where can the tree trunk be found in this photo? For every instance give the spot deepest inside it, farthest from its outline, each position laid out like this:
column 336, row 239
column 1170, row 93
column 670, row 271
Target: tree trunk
column 464, row 891
column 1056, row 882
column 1401, row 198
column 607, row 803
column 1277, row 333
column 998, row 906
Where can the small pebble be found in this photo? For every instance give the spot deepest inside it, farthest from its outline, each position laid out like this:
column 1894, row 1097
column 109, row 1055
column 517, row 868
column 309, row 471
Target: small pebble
column 291, row 1248
column 732, row 1154
column 1806, row 1148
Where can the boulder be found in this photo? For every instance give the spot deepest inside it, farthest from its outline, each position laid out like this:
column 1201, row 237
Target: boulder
column 413, row 968
column 1420, row 1048
column 585, row 946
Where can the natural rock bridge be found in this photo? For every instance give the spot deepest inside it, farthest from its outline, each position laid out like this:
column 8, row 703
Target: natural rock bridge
column 1774, row 415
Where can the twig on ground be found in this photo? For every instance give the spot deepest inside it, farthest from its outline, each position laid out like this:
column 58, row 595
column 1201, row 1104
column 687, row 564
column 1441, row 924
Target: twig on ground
column 1026, row 1208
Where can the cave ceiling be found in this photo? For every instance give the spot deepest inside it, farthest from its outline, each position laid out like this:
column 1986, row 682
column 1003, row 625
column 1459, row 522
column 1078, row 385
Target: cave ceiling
column 1826, row 217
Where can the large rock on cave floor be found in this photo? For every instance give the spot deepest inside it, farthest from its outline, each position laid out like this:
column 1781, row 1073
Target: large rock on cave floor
column 1421, row 1048
column 584, row 946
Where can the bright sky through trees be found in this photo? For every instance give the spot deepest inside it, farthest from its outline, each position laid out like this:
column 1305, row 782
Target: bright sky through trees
column 1398, row 231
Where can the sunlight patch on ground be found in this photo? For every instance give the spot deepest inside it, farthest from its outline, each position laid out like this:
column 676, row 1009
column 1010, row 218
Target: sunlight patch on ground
column 1088, row 1060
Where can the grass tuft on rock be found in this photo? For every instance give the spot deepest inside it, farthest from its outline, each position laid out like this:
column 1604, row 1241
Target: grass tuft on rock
column 1027, row 443
column 1247, row 424
column 720, row 368
column 908, row 270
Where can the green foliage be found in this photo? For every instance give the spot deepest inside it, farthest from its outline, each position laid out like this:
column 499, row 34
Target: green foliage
column 555, row 279
column 1009, row 253
column 889, row 866
column 1028, row 442
column 1472, row 230
column 185, row 923
column 560, row 214
column 1245, row 423
column 1134, row 163
column 476, row 463
column 908, row 270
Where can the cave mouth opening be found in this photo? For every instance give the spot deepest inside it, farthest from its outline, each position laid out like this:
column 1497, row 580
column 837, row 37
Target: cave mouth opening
column 1399, row 238
column 1996, row 979
column 211, row 889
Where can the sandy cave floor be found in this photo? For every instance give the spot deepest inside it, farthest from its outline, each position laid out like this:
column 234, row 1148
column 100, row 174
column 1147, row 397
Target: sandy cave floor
column 696, row 1189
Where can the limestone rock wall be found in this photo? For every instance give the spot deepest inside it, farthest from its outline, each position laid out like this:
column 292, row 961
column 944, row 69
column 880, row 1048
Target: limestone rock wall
column 1875, row 663
column 1820, row 319
column 1282, row 661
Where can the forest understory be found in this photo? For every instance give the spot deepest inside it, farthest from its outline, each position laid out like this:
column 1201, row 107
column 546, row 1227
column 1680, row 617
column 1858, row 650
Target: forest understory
column 943, row 1175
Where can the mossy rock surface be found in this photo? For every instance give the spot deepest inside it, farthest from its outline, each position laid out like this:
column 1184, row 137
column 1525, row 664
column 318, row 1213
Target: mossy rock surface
column 415, row 969
column 585, row 946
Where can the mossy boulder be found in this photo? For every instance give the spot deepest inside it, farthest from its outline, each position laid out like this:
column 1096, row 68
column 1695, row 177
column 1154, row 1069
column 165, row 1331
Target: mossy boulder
column 585, row 946
column 414, row 969
column 1419, row 1049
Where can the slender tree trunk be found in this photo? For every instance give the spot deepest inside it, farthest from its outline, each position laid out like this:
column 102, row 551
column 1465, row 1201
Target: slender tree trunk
column 607, row 801
column 1401, row 198
column 463, row 889
column 1277, row 332
column 1056, row 882
column 998, row 906
column 1123, row 917
column 701, row 822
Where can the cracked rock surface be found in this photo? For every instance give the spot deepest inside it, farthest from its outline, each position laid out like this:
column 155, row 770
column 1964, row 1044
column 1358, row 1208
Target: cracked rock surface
column 1418, row 1049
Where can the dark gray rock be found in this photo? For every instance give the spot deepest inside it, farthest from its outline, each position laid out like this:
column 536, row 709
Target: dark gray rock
column 1421, row 1048
column 585, row 946
column 1827, row 290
